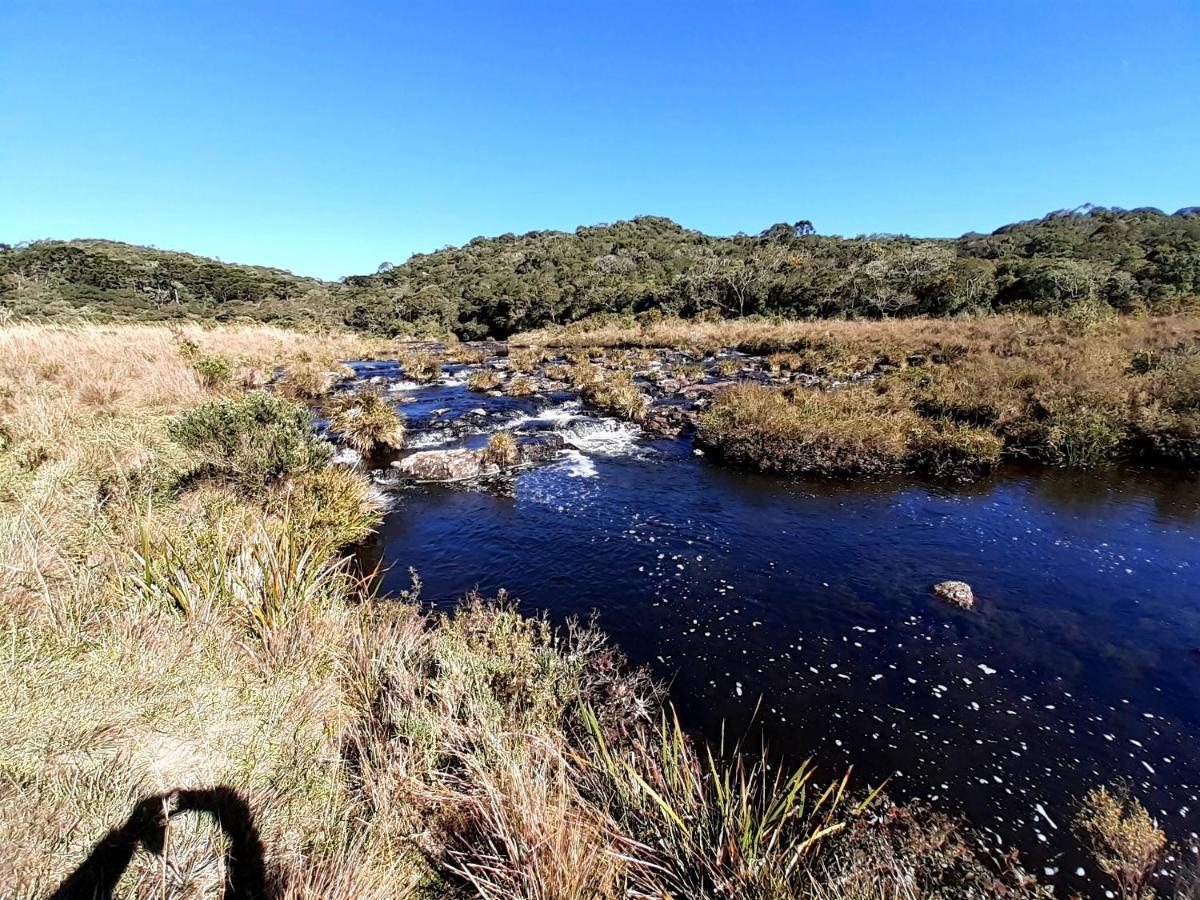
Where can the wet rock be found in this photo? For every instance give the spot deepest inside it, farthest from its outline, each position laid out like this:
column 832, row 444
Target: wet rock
column 695, row 392
column 440, row 412
column 539, row 448
column 478, row 411
column 667, row 420
column 958, row 593
column 445, row 465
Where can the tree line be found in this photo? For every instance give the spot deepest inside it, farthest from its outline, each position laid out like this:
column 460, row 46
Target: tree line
column 1125, row 259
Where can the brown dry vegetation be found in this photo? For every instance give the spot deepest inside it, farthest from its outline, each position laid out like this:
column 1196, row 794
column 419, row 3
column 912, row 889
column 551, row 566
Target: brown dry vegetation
column 1071, row 390
column 164, row 630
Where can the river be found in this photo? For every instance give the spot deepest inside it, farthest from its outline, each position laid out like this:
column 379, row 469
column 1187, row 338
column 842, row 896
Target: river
column 809, row 600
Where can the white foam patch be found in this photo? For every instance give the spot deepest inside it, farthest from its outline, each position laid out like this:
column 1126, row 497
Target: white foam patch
column 424, row 440
column 403, row 385
column 575, row 465
column 557, row 415
column 605, row 437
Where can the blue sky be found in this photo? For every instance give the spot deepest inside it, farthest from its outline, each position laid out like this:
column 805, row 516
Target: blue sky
column 328, row 137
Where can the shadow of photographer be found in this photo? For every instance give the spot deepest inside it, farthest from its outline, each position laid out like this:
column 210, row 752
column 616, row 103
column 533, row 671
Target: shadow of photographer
column 245, row 869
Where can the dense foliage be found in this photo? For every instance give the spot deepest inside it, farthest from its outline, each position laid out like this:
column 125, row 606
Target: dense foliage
column 495, row 286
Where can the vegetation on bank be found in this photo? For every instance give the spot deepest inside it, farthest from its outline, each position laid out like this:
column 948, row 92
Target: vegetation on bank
column 178, row 615
column 1125, row 260
column 949, row 397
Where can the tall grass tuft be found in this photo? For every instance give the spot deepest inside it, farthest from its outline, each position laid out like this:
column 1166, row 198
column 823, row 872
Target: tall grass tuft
column 367, row 422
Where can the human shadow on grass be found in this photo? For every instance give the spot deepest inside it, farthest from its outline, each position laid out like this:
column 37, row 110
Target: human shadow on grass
column 246, row 875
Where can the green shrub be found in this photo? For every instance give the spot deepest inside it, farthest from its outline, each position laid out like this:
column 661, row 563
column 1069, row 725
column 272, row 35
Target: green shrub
column 253, row 440
column 213, row 371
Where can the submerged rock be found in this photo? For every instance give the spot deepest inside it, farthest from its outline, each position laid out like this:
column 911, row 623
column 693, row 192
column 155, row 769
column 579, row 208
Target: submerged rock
column 957, row 592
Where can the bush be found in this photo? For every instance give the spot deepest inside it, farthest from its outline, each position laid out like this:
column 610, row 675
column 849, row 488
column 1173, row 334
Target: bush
column 483, row 380
column 213, row 371
column 1127, row 844
column 253, row 440
column 367, row 422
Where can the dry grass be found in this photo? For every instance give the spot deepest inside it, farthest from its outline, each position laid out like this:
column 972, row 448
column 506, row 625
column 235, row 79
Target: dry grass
column 520, row 386
column 1065, row 390
column 484, row 380
column 367, row 422
column 422, row 367
column 161, row 633
column 1127, row 843
column 502, row 449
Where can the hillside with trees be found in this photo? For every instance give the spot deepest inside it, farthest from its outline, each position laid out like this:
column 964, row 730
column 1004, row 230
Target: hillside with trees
column 1137, row 259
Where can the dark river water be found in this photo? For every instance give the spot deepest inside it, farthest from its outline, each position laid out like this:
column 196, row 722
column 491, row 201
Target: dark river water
column 1079, row 665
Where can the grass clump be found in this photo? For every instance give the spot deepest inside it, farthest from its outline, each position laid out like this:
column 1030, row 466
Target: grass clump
column 333, row 502
column 422, row 367
column 857, row 430
column 525, row 360
column 616, row 396
column 521, row 386
column 367, row 422
column 837, row 433
column 310, row 379
column 582, row 375
column 252, row 440
column 484, row 380
column 1127, row 843
column 502, row 450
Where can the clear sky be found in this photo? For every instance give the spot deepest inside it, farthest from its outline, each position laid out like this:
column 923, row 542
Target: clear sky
column 329, row 137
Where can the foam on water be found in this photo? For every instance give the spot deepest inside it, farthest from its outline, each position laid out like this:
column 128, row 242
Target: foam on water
column 576, row 465
column 557, row 415
column 605, row 437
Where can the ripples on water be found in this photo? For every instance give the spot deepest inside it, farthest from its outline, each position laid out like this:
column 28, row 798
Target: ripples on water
column 1080, row 664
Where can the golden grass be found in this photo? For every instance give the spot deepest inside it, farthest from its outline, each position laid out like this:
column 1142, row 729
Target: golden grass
column 1069, row 390
column 162, row 634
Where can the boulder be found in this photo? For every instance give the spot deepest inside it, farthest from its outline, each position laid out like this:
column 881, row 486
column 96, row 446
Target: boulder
column 538, row 448
column 667, row 420
column 445, row 465
column 958, row 593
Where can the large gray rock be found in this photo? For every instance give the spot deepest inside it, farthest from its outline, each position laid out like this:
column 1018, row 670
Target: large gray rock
column 958, row 593
column 445, row 465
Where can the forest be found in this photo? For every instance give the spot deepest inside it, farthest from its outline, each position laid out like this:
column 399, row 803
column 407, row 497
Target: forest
column 1129, row 260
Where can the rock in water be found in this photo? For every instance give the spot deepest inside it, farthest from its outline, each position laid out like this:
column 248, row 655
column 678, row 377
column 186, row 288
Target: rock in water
column 539, row 448
column 445, row 465
column 957, row 592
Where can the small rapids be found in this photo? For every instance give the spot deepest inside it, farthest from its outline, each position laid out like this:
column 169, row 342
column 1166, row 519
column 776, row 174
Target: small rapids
column 1079, row 665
